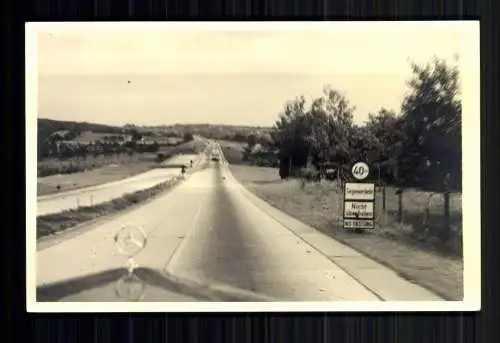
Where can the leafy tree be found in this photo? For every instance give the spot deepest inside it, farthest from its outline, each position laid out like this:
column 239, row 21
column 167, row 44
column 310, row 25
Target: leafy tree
column 136, row 135
column 251, row 140
column 332, row 127
column 315, row 135
column 188, row 136
column 386, row 127
column 238, row 137
column 291, row 135
column 57, row 137
column 266, row 140
column 432, row 127
column 433, row 124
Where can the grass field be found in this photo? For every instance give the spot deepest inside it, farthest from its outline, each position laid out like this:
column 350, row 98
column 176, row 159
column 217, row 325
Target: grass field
column 233, row 151
column 393, row 244
column 96, row 171
column 53, row 166
column 238, row 146
column 66, row 182
column 109, row 169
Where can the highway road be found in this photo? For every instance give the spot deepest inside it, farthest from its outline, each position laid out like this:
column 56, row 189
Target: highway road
column 94, row 195
column 210, row 230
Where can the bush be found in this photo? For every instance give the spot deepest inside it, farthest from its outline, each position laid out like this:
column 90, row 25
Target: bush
column 160, row 157
column 331, row 174
column 188, row 137
column 310, row 174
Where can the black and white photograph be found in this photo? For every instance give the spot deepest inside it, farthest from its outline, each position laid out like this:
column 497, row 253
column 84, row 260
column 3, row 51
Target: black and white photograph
column 253, row 166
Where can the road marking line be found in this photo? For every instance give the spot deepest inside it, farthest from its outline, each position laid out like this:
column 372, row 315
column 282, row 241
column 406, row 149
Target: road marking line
column 176, row 253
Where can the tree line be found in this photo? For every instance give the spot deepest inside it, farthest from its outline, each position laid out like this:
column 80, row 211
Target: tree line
column 64, row 147
column 418, row 147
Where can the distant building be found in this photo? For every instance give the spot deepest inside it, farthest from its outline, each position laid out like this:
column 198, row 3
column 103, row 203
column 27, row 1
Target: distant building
column 90, row 137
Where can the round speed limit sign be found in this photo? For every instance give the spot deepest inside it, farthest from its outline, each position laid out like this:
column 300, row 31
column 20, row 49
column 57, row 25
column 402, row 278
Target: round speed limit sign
column 360, row 170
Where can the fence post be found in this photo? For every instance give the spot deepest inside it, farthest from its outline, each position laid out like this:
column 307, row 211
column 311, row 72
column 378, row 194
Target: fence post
column 400, row 205
column 447, row 206
column 446, row 213
column 427, row 214
column 383, row 198
column 338, row 178
column 382, row 184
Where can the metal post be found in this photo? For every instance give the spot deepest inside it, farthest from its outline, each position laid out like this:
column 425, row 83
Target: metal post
column 383, row 198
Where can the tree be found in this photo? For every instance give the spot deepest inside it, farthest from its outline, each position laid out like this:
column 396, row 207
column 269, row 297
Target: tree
column 82, row 151
column 291, row 136
column 188, row 136
column 432, row 113
column 72, row 134
column 316, row 135
column 266, row 140
column 386, row 127
column 136, row 136
column 432, row 127
column 238, row 137
column 332, row 127
column 251, row 140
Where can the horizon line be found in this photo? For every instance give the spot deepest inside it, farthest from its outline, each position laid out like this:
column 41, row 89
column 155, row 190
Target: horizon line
column 157, row 125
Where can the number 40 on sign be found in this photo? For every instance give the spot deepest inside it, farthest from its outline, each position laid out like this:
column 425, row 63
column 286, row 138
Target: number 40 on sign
column 360, row 170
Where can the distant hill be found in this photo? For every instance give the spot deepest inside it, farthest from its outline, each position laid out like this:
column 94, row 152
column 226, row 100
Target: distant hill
column 47, row 127
column 67, row 139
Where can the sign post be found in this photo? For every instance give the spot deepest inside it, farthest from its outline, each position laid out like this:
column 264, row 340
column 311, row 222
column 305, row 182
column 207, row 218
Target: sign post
column 359, row 200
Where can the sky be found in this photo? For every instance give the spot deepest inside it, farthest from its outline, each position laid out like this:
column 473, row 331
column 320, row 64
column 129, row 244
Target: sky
column 230, row 73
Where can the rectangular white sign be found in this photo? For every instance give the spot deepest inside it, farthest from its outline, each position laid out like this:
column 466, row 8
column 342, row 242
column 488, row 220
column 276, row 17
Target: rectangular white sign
column 358, row 223
column 359, row 191
column 358, row 210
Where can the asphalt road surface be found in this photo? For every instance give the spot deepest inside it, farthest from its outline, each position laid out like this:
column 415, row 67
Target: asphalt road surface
column 94, row 195
column 208, row 231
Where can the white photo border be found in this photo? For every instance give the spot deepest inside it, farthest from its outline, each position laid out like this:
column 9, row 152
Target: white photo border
column 471, row 199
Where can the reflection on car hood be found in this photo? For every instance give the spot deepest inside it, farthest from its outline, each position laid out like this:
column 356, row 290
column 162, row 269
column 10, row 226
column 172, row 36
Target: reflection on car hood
column 160, row 282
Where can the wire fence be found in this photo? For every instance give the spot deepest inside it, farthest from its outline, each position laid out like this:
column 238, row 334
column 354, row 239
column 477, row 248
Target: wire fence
column 423, row 215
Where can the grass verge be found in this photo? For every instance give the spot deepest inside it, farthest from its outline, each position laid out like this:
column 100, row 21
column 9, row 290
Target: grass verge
column 57, row 222
column 395, row 246
column 67, row 182
column 104, row 169
column 55, row 166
